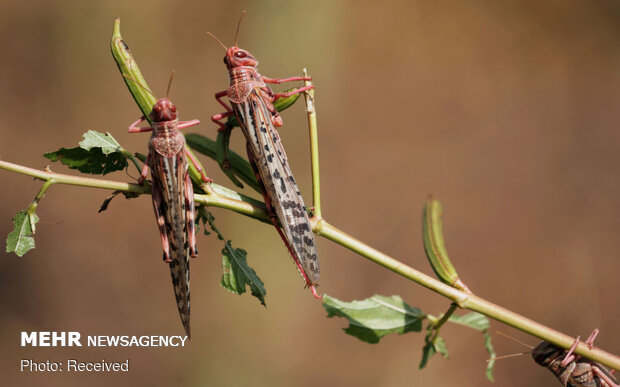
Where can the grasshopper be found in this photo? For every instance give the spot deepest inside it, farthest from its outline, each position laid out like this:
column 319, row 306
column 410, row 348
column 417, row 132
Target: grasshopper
column 570, row 369
column 573, row 370
column 252, row 104
column 172, row 194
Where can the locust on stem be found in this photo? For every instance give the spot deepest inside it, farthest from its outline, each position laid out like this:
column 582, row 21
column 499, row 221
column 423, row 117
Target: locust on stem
column 251, row 101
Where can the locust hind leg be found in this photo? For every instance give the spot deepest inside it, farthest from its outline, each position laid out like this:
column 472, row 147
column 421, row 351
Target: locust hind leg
column 273, row 219
column 158, row 206
column 190, row 215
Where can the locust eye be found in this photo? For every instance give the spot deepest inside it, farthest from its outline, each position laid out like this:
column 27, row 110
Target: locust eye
column 240, row 54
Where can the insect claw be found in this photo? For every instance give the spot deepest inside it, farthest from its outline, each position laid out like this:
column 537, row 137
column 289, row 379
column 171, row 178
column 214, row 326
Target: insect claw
column 590, row 341
column 569, row 355
column 315, row 293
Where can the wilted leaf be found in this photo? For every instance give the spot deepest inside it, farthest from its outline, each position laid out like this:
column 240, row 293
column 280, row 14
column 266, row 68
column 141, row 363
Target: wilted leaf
column 237, row 274
column 430, row 348
column 489, row 346
column 375, row 317
column 106, row 202
column 19, row 240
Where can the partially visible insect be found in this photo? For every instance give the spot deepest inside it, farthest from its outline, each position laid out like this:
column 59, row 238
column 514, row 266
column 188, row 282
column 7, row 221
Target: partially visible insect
column 172, row 194
column 252, row 103
column 570, row 369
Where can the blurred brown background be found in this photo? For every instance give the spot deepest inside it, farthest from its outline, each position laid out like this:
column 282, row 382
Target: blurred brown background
column 506, row 112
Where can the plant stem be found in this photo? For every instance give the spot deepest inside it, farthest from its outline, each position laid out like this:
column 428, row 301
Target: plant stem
column 465, row 300
column 314, row 148
column 218, row 196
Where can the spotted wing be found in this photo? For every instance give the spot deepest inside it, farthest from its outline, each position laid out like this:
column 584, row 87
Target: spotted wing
column 279, row 182
column 169, row 180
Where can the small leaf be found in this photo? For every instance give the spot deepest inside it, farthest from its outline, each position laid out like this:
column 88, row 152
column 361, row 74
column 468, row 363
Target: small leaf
column 480, row 323
column 19, row 240
column 98, row 154
column 472, row 320
column 106, row 202
column 107, row 143
column 375, row 317
column 489, row 346
column 430, row 348
column 237, row 274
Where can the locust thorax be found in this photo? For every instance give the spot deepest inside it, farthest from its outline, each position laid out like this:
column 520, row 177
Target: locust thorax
column 163, row 110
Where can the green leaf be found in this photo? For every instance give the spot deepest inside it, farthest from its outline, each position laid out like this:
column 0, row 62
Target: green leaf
column 92, row 161
column 472, row 320
column 431, row 347
column 222, row 154
column 375, row 317
column 489, row 346
column 19, row 240
column 239, row 165
column 98, row 154
column 480, row 323
column 107, row 143
column 237, row 274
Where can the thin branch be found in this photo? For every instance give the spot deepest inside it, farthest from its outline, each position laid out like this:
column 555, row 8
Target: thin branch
column 314, row 148
column 222, row 197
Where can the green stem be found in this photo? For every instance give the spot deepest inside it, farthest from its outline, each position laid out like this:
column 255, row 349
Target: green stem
column 444, row 319
column 218, row 196
column 139, row 89
column 133, row 159
column 465, row 300
column 32, row 208
column 314, row 149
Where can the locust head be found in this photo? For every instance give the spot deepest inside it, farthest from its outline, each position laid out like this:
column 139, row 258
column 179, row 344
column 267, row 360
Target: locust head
column 238, row 57
column 545, row 353
column 163, row 110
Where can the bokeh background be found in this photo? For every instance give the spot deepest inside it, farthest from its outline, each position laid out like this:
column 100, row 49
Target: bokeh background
column 507, row 112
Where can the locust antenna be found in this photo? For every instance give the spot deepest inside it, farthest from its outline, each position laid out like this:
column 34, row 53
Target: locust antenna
column 169, row 83
column 514, row 354
column 508, row 356
column 239, row 25
column 217, row 40
column 515, row 340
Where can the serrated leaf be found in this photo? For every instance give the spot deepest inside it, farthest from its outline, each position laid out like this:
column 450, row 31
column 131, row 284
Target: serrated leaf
column 98, row 154
column 19, row 240
column 472, row 320
column 375, row 317
column 432, row 347
column 107, row 143
column 89, row 161
column 237, row 274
